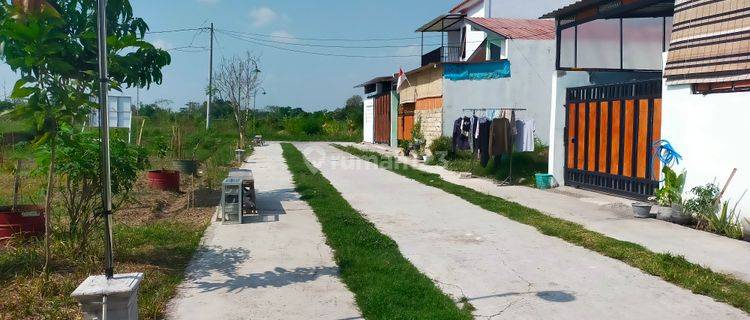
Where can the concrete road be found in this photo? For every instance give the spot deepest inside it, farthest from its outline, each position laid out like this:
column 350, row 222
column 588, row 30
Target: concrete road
column 612, row 216
column 504, row 268
column 266, row 270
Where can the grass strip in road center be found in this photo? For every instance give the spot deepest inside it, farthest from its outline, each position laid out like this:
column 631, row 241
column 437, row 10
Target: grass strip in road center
column 674, row 269
column 385, row 284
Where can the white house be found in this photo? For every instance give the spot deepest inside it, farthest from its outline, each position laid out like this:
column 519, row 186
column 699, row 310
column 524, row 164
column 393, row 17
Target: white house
column 481, row 61
column 706, row 96
column 606, row 104
column 630, row 74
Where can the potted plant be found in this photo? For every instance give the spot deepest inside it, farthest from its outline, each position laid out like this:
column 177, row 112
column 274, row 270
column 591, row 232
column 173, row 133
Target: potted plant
column 404, row 146
column 186, row 166
column 163, row 179
column 669, row 198
column 704, row 204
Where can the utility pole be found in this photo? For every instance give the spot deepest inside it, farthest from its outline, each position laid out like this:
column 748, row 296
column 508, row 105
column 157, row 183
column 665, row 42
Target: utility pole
column 210, row 78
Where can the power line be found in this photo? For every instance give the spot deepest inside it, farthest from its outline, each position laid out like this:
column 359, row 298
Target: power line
column 175, row 30
column 325, row 39
column 316, row 53
column 331, row 46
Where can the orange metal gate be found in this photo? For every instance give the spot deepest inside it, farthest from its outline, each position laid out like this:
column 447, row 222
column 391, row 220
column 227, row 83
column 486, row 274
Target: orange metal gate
column 405, row 121
column 609, row 138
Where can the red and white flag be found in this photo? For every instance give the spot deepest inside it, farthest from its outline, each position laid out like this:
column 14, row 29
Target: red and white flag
column 401, row 78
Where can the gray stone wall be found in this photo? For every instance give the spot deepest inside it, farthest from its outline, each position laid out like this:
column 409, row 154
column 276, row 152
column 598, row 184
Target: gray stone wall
column 432, row 124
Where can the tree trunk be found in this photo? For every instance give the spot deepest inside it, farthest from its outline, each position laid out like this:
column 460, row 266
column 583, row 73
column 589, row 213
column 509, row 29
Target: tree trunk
column 48, row 200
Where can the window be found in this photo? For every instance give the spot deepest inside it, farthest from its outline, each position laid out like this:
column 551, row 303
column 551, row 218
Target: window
column 721, row 87
column 496, row 49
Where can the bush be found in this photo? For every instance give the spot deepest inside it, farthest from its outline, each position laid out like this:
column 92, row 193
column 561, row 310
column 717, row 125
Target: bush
column 441, row 146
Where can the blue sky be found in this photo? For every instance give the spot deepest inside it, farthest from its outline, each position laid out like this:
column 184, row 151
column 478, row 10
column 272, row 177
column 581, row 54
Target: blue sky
column 290, row 79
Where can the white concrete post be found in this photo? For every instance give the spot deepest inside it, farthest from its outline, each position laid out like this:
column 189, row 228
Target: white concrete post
column 121, row 292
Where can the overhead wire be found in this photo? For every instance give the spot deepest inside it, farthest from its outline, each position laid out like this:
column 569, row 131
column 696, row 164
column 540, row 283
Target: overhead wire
column 312, row 52
column 332, row 46
column 326, row 39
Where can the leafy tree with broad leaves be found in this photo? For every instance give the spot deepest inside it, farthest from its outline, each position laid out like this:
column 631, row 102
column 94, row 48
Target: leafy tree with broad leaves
column 53, row 46
column 80, row 178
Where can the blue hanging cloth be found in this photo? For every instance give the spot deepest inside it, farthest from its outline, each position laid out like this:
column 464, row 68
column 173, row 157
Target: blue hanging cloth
column 477, row 71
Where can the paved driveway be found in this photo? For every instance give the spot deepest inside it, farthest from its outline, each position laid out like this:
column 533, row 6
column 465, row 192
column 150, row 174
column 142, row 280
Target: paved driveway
column 505, row 269
column 270, row 270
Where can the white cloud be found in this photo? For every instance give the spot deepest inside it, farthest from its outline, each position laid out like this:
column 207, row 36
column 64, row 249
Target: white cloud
column 283, row 36
column 209, row 2
column 263, row 16
column 162, row 44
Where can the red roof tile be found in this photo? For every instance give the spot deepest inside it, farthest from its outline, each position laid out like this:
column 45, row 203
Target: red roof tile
column 528, row 29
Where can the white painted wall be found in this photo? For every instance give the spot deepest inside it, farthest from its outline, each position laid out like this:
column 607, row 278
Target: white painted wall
column 711, row 133
column 561, row 80
column 532, row 10
column 368, row 130
column 529, row 86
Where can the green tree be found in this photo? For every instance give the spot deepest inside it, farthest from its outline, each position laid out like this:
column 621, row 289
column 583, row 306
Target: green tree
column 77, row 164
column 54, row 48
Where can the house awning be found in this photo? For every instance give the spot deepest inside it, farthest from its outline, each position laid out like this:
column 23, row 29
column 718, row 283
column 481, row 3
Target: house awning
column 710, row 42
column 444, row 23
column 584, row 11
column 374, row 81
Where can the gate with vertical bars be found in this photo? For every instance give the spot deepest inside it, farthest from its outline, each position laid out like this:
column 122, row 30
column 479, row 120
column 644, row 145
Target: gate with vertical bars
column 610, row 133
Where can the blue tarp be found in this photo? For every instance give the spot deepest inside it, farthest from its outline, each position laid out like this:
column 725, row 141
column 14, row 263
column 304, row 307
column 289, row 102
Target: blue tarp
column 477, row 71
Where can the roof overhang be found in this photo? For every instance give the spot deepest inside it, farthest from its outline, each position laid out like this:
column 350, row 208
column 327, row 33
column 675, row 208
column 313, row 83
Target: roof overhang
column 588, row 10
column 444, row 23
column 375, row 80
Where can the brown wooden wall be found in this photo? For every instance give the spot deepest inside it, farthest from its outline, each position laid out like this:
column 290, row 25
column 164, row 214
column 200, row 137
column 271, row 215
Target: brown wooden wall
column 383, row 119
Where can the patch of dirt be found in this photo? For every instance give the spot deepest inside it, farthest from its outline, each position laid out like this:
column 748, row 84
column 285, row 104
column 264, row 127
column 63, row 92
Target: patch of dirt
column 193, row 203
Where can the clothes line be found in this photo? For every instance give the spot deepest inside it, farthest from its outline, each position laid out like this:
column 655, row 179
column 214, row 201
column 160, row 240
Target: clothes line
column 501, row 109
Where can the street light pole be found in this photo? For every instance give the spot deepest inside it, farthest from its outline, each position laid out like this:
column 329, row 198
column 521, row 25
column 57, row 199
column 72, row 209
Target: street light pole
column 104, row 130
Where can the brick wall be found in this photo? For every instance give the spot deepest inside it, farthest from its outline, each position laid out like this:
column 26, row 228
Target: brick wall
column 432, row 123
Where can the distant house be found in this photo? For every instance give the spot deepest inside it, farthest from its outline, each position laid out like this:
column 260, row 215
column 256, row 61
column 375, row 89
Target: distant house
column 479, row 62
column 607, row 109
column 379, row 112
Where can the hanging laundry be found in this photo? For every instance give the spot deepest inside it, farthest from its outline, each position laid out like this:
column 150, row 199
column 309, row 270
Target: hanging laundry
column 483, row 140
column 524, row 140
column 500, row 137
column 461, row 128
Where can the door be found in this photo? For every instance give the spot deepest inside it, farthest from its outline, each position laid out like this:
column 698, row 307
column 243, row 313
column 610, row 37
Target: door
column 405, row 121
column 610, row 133
column 368, row 129
column 383, row 118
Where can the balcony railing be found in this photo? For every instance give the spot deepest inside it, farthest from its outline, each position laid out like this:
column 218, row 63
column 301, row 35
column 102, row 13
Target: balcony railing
column 442, row 54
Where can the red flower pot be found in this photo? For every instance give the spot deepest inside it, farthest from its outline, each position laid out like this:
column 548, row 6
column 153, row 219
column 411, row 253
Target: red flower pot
column 27, row 220
column 164, row 180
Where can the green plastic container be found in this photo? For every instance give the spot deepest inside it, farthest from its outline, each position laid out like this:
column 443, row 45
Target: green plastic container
column 543, row 181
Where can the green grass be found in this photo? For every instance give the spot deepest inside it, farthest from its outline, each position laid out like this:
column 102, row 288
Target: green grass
column 159, row 249
column 525, row 166
column 385, row 284
column 674, row 269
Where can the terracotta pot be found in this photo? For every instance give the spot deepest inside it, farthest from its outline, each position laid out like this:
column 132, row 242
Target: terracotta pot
column 27, row 220
column 168, row 180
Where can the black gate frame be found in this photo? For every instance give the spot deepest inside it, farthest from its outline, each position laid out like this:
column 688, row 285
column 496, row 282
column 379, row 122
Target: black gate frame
column 631, row 187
